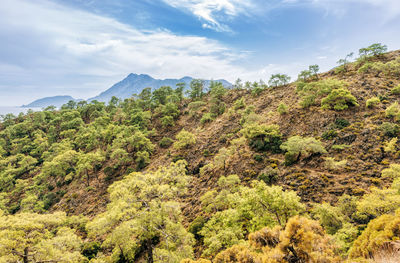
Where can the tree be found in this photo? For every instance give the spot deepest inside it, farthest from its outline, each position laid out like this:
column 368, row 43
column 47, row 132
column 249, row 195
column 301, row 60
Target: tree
column 180, row 87
column 297, row 147
column 302, row 240
column 343, row 63
column 196, row 89
column 372, row 50
column 262, row 137
column 143, row 216
column 339, row 99
column 277, row 80
column 88, row 162
column 29, row 237
column 240, row 209
column 184, row 139
column 379, row 232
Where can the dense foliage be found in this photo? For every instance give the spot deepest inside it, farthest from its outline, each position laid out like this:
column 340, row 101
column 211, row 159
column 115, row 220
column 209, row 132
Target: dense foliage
column 301, row 172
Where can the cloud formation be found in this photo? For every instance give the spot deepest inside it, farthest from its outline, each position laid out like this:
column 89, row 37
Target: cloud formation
column 49, row 45
column 212, row 12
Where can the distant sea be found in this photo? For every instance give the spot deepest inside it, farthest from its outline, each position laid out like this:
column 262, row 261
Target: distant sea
column 15, row 110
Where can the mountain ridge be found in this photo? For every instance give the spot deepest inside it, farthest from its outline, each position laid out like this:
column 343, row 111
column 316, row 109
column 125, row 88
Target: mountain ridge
column 131, row 84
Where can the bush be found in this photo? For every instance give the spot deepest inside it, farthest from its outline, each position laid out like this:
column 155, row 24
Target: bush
column 90, row 249
column 165, row 142
column 207, row 117
column 390, row 147
column 395, row 90
column 282, row 108
column 390, row 129
column 196, row 226
column 297, row 147
column 379, row 231
column 310, row 92
column 339, row 99
column 329, row 135
column 184, row 139
column 372, row 102
column 393, row 111
column 167, row 121
column 269, row 175
column 262, row 137
column 333, row 165
column 341, row 123
column 239, row 104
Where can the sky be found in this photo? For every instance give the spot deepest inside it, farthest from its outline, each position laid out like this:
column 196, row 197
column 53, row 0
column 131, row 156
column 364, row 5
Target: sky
column 82, row 47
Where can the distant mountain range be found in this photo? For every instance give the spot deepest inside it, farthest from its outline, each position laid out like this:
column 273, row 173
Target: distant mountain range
column 132, row 84
column 57, row 101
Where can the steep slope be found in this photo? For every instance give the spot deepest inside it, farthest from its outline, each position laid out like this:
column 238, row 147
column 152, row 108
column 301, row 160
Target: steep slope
column 323, row 139
column 360, row 143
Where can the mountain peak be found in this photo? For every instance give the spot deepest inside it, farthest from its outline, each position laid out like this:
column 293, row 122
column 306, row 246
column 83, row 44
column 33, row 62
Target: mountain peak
column 135, row 83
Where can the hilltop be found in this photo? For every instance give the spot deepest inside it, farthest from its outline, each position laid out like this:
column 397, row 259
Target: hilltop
column 223, row 174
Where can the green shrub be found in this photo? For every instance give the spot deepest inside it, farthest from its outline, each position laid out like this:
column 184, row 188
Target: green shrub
column 207, row 117
column 269, row 175
column 297, row 147
column 90, row 249
column 333, row 165
column 196, row 226
column 217, row 107
column 393, row 111
column 390, row 129
column 195, row 108
column 262, row 137
column 310, row 93
column 372, row 102
column 282, row 108
column 329, row 135
column 341, row 123
column 167, row 121
column 390, row 147
column 165, row 142
column 395, row 90
column 239, row 104
column 379, row 231
column 340, row 147
column 339, row 99
column 184, row 139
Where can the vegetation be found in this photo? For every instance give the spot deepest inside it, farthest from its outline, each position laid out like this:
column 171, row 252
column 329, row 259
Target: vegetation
column 277, row 80
column 249, row 174
column 297, row 147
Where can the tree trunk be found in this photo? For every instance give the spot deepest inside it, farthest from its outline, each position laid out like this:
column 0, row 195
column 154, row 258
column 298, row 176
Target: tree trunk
column 26, row 253
column 149, row 248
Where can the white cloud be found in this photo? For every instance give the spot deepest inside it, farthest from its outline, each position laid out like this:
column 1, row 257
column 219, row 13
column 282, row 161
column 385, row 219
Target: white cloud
column 58, row 50
column 212, row 11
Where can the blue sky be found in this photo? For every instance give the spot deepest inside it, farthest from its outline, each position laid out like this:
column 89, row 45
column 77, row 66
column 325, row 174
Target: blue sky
column 82, row 47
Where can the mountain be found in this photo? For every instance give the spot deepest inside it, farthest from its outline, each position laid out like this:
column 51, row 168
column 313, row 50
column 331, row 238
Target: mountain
column 57, row 101
column 134, row 84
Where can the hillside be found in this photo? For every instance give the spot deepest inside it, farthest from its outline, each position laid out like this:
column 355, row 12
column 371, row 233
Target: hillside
column 229, row 175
